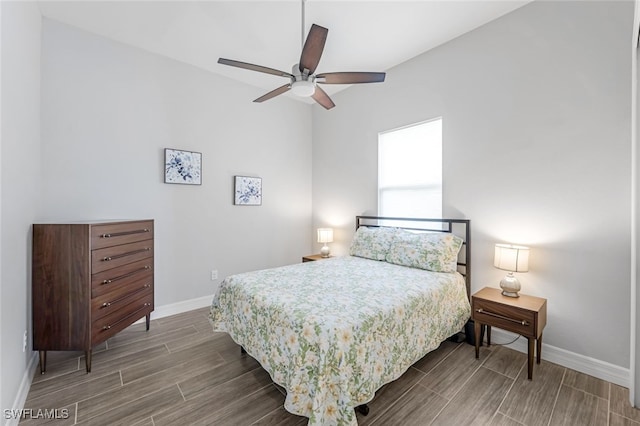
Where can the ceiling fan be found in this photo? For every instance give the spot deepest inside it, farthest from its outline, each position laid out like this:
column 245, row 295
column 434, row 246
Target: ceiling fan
column 302, row 80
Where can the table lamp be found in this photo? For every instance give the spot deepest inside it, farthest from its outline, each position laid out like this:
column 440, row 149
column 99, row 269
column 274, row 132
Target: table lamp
column 513, row 259
column 325, row 235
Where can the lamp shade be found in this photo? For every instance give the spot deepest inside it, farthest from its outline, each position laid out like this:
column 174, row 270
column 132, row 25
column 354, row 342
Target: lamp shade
column 511, row 258
column 325, row 235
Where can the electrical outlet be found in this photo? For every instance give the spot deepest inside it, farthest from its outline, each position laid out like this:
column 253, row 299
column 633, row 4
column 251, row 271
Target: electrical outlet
column 24, row 341
column 214, row 275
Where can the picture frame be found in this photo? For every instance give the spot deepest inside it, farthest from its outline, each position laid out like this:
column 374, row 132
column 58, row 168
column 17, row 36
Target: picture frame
column 247, row 191
column 182, row 167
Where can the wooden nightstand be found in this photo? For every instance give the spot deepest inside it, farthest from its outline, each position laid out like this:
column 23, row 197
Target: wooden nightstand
column 313, row 258
column 525, row 315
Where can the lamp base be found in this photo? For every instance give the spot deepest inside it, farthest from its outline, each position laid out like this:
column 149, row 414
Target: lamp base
column 325, row 251
column 510, row 286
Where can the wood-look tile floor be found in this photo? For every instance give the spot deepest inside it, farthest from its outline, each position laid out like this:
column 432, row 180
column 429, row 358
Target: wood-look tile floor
column 182, row 373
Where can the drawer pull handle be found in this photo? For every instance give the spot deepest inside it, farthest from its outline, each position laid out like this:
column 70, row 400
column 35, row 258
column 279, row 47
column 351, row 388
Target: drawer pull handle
column 110, row 280
column 491, row 314
column 120, row 234
column 120, row 299
column 129, row 253
column 108, row 327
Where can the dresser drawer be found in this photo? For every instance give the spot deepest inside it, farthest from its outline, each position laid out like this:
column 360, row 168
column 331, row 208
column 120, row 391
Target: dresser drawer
column 504, row 317
column 119, row 279
column 108, row 235
column 108, row 325
column 112, row 257
column 111, row 302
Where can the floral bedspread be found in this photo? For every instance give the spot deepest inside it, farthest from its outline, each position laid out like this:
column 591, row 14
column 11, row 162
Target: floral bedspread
column 334, row 331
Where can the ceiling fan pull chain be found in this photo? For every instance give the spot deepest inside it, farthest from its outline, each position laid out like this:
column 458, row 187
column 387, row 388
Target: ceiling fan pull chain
column 302, row 29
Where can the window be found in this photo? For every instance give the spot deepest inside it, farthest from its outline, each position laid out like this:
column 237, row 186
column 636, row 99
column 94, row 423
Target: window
column 410, row 171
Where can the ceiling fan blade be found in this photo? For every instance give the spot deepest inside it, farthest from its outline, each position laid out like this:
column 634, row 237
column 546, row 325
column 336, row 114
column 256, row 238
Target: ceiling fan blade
column 313, row 47
column 272, row 94
column 350, row 77
column 321, row 97
column 253, row 67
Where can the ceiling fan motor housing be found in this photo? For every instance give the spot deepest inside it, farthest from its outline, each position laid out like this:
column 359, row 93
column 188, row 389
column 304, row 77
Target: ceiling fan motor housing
column 302, row 84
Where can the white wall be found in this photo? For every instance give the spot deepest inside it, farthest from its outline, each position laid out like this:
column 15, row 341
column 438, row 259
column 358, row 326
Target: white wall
column 536, row 127
column 20, row 186
column 108, row 112
column 634, row 394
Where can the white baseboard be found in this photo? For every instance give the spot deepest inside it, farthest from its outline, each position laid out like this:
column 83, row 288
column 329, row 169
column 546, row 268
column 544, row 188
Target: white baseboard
column 23, row 391
column 584, row 364
column 179, row 307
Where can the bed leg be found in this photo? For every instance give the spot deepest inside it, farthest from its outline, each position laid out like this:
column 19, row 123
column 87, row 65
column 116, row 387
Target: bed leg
column 457, row 338
column 363, row 409
column 242, row 351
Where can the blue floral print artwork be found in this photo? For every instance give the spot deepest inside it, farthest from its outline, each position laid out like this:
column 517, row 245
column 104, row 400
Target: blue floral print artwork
column 182, row 167
column 248, row 191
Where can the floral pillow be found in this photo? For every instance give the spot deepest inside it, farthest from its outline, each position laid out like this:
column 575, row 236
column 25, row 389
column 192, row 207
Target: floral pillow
column 436, row 252
column 372, row 243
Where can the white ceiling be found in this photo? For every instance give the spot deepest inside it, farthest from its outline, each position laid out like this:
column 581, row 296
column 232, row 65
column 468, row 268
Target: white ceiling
column 363, row 35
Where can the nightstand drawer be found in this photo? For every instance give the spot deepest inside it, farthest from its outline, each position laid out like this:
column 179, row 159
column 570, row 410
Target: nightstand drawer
column 506, row 317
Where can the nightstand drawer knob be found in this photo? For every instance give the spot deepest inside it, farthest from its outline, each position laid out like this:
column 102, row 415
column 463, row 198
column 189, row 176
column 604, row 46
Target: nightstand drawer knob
column 491, row 314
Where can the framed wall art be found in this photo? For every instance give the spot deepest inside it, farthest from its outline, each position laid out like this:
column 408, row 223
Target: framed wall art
column 183, row 167
column 248, row 191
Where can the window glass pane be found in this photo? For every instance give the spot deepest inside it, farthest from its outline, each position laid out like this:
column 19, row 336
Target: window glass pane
column 410, row 171
column 426, row 203
column 411, row 155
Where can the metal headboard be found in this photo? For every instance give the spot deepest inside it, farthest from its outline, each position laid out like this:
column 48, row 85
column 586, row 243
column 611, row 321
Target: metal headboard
column 459, row 227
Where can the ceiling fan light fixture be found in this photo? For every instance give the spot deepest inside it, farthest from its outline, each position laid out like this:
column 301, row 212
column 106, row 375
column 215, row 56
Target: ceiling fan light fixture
column 303, row 88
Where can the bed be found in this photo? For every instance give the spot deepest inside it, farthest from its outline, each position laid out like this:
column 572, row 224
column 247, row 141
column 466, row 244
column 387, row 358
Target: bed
column 334, row 331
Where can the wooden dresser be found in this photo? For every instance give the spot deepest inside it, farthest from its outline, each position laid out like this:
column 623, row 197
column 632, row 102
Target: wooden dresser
column 90, row 281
